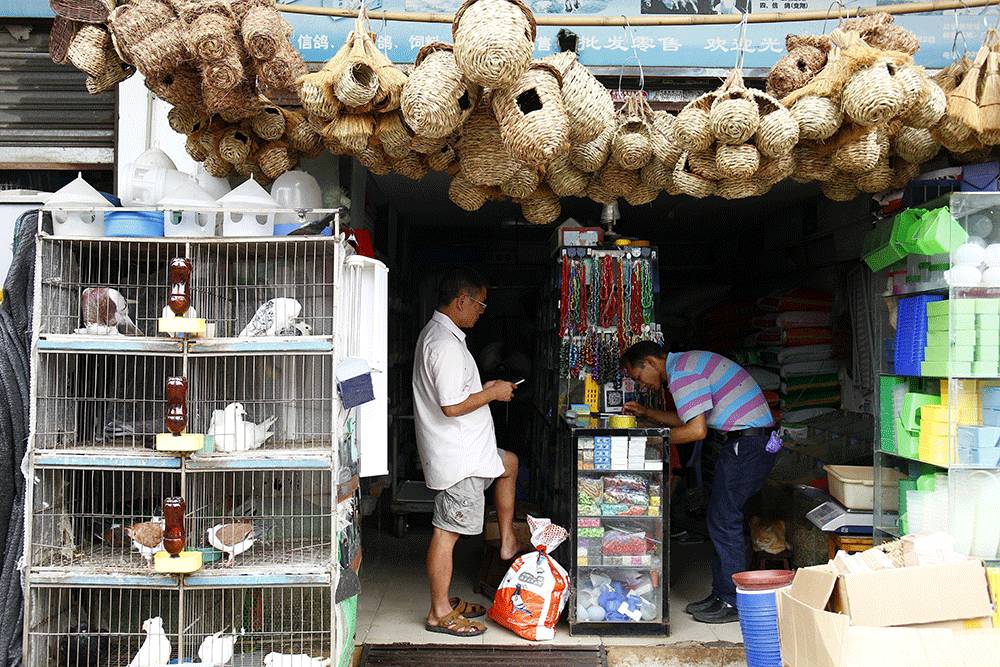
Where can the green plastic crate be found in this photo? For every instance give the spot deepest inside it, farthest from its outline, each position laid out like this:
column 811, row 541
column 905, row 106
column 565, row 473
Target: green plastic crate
column 987, row 353
column 985, row 338
column 941, row 369
column 908, row 443
column 964, row 322
column 952, row 307
column 944, row 338
column 881, row 247
column 940, row 232
column 988, row 322
column 887, row 417
column 956, row 353
column 987, row 306
column 985, row 369
column 912, row 402
column 907, row 224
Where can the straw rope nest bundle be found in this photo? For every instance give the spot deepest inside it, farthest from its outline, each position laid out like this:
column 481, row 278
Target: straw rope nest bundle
column 657, row 174
column 436, row 99
column 775, row 170
column 879, row 31
column 619, row 181
column 806, row 57
column 734, row 116
column 148, row 34
column 522, row 183
column 483, row 158
column 566, row 180
column 631, row 147
column 268, row 123
column 739, row 188
column 661, row 138
column 394, row 134
column 778, row 131
column 591, row 156
column 275, row 158
column 915, row 145
column 811, row 164
column 541, row 207
column 690, row 183
column 587, row 102
column 693, row 128
column 531, row 115
column 737, row 162
column 873, row 94
column 494, row 41
column 467, row 195
column 975, row 102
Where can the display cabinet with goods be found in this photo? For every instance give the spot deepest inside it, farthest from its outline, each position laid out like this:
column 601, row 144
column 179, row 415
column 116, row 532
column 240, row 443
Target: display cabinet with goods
column 196, row 445
column 937, row 451
column 620, row 559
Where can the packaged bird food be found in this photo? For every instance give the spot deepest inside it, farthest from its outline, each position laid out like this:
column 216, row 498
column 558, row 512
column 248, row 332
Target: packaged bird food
column 532, row 595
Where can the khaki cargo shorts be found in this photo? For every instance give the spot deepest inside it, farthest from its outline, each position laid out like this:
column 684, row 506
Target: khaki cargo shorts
column 461, row 508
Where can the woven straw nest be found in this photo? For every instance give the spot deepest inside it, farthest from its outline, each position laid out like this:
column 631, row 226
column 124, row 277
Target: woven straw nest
column 587, row 102
column 806, row 57
column 531, row 115
column 631, row 147
column 690, row 183
column 467, row 195
column 873, row 94
column 149, row 35
column 522, row 183
column 734, row 116
column 879, row 31
column 591, row 156
column 436, row 99
column 693, row 129
column 494, row 41
column 778, row 130
column 541, row 207
column 483, row 158
column 566, row 180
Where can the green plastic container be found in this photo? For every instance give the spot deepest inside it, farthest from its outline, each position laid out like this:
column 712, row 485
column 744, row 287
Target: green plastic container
column 907, row 224
column 910, row 413
column 944, row 339
column 927, row 482
column 939, row 232
column 881, row 247
column 963, row 322
column 952, row 307
column 987, row 306
column 987, row 353
column 907, row 443
column 986, row 338
column 985, row 369
column 957, row 353
column 887, row 418
column 942, row 369
column 988, row 322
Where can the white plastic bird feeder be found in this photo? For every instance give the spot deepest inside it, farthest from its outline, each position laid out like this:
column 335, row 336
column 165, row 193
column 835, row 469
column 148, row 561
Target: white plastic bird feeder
column 189, row 212
column 73, row 209
column 249, row 211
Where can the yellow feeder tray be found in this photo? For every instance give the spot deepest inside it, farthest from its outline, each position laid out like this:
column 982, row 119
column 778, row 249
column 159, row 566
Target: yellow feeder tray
column 621, row 421
column 193, row 326
column 183, row 443
column 185, row 562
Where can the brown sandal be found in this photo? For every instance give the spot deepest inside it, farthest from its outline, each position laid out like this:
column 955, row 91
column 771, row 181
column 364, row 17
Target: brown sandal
column 467, row 609
column 456, row 625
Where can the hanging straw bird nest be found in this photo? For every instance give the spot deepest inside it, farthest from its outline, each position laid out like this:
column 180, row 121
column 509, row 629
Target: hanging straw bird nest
column 872, row 95
column 182, row 87
column 85, row 11
column 657, row 174
column 352, row 131
column 811, row 164
column 268, row 124
column 148, row 34
column 436, row 99
column 393, row 133
column 734, row 116
column 618, row 181
column 964, row 102
column 443, row 158
column 807, row 55
column 263, row 31
column 775, row 170
column 531, row 115
column 223, row 74
column 195, row 146
column 819, row 118
column 316, row 95
column 703, row 164
column 738, row 188
column 915, row 145
column 541, row 207
column 858, row 155
column 928, row 107
column 115, row 71
column 391, row 81
column 211, row 32
column 467, row 195
column 183, row 120
column 661, row 139
column 591, row 156
column 642, row 194
column 904, row 173
column 217, row 166
column 566, row 180
column 778, row 131
column 237, row 103
column 631, row 147
column 598, row 193
column 879, row 31
column 301, row 134
column 88, row 50
column 357, row 84
column 841, row 187
column 587, row 102
column 693, row 128
column 412, row 166
column 275, row 158
column 374, row 159
column 427, row 145
column 737, row 162
column 277, row 78
column 60, row 36
column 691, row 184
column 494, row 40
column 484, row 159
column 878, row 179
column 235, row 146
column 523, row 182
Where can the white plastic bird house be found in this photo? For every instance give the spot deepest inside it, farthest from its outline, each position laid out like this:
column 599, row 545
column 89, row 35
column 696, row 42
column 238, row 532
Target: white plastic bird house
column 354, row 382
column 249, row 211
column 73, row 209
column 187, row 213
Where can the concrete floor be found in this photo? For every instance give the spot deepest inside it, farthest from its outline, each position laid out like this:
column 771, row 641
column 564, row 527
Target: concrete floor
column 394, row 599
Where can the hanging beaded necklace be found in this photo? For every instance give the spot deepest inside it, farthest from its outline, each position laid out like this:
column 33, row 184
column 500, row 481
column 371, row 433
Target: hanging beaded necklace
column 564, row 288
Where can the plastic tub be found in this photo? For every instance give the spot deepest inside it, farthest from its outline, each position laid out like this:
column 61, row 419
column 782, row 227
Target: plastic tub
column 854, row 487
column 133, row 224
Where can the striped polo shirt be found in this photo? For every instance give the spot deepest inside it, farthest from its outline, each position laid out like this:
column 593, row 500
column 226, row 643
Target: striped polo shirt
column 705, row 382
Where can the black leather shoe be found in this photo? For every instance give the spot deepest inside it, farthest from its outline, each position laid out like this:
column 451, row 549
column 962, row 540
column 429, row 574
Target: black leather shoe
column 725, row 613
column 702, row 605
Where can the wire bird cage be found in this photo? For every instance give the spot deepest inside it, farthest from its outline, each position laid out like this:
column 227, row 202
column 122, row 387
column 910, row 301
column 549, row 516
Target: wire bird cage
column 117, row 401
column 230, row 282
column 82, row 518
column 70, row 626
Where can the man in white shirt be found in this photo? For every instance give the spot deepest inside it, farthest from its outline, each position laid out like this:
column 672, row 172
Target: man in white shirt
column 457, row 445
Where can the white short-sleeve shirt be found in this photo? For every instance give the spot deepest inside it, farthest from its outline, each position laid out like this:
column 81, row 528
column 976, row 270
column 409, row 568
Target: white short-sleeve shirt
column 445, row 373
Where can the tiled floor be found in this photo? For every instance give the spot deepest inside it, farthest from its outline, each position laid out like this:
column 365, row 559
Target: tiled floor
column 394, row 600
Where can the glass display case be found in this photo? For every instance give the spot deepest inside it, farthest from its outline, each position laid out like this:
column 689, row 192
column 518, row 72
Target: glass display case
column 619, row 528
column 938, row 420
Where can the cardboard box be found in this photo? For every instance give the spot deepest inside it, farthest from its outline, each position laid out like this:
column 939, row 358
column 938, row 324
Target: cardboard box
column 885, row 618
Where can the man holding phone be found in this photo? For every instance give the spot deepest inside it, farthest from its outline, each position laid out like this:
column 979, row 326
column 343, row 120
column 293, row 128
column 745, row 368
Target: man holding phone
column 457, row 445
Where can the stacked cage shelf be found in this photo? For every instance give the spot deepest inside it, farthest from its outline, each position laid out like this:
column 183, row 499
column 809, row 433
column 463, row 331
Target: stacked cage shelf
column 94, row 470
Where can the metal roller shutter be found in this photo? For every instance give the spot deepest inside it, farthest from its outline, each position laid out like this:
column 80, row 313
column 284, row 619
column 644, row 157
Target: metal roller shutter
column 47, row 118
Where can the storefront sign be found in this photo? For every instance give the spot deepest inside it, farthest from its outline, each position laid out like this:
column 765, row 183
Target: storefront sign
column 319, row 37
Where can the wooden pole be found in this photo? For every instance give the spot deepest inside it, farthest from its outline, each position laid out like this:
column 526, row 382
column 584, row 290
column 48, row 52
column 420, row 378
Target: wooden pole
column 663, row 20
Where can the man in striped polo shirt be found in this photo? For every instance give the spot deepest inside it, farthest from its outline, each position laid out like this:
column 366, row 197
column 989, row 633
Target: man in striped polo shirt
column 713, row 392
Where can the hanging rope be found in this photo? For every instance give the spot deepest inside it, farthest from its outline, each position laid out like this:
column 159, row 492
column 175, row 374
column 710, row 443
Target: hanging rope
column 661, row 20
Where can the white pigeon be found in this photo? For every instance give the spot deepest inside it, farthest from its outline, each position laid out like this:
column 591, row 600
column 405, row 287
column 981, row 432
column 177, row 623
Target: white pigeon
column 273, row 316
column 105, row 313
column 147, row 537
column 217, row 650
column 233, row 538
column 234, row 433
column 155, row 651
column 297, row 660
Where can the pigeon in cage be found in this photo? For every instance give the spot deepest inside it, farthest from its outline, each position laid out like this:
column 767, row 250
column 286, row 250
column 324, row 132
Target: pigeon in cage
column 234, row 538
column 217, row 650
column 83, row 647
column 147, row 537
column 297, row 660
column 274, row 317
column 155, row 651
column 233, row 432
column 167, row 313
column 105, row 313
